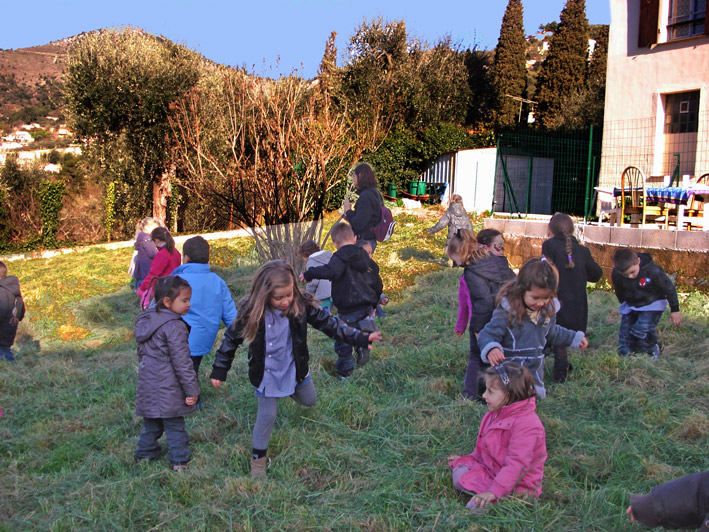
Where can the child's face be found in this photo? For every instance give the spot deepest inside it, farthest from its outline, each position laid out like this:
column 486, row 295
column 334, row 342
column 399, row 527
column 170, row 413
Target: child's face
column 497, row 246
column 180, row 304
column 536, row 298
column 368, row 249
column 456, row 258
column 494, row 395
column 633, row 271
column 281, row 298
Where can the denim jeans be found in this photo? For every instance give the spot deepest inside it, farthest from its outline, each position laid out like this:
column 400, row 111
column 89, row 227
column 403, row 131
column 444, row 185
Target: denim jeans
column 359, row 320
column 6, row 353
column 637, row 332
column 178, row 450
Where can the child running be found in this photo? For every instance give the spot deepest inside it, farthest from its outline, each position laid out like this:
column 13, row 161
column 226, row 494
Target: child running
column 525, row 320
column 511, row 448
column 166, row 260
column 167, row 383
column 576, row 267
column 274, row 320
column 485, row 271
column 313, row 256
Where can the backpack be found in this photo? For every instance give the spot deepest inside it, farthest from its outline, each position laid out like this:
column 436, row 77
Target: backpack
column 385, row 228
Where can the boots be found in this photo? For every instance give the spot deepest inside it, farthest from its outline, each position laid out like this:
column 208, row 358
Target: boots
column 561, row 363
column 258, row 467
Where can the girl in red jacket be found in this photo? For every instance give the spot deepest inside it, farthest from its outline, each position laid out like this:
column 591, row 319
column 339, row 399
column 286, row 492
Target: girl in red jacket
column 511, row 448
column 165, row 261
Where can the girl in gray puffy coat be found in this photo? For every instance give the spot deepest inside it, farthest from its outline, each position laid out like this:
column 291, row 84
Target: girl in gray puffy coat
column 454, row 218
column 167, row 383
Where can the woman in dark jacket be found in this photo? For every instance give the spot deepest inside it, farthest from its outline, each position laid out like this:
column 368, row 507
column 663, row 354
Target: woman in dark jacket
column 576, row 268
column 367, row 212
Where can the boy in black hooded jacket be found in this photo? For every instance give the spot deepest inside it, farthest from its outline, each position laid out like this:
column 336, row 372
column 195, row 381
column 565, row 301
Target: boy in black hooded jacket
column 356, row 288
column 643, row 290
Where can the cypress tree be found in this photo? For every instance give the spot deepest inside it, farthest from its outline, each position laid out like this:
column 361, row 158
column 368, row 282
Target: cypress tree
column 562, row 76
column 509, row 70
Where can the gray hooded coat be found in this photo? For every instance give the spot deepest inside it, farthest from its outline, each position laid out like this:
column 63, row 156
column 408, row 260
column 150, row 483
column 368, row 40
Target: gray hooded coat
column 166, row 374
column 455, row 218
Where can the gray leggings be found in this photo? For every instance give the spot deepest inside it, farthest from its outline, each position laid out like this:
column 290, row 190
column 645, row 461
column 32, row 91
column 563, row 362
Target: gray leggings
column 267, row 408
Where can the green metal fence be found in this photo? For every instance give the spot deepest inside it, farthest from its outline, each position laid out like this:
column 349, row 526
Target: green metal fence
column 540, row 172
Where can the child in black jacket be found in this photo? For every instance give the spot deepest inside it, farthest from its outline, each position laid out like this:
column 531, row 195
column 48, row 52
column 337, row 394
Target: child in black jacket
column 356, row 288
column 643, row 290
column 12, row 310
column 680, row 503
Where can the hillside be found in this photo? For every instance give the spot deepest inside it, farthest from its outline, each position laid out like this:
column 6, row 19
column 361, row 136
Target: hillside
column 31, row 81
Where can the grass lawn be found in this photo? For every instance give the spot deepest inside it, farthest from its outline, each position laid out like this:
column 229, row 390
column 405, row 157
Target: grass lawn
column 370, row 455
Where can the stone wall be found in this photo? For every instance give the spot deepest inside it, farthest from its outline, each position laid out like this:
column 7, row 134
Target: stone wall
column 684, row 254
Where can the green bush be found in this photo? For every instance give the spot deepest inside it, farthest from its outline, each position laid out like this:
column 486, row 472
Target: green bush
column 51, row 197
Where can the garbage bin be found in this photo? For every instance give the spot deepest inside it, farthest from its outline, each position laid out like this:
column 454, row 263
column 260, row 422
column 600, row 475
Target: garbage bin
column 391, row 190
column 417, row 188
column 422, row 188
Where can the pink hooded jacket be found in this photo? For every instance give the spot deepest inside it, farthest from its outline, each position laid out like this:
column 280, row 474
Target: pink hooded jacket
column 510, row 452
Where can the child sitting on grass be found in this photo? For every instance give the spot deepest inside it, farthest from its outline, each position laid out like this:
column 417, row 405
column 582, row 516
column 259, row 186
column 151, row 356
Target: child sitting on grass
column 643, row 290
column 274, row 320
column 12, row 310
column 167, row 384
column 511, row 448
column 525, row 321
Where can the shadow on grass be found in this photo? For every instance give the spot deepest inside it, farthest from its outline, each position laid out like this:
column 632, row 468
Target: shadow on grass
column 421, row 255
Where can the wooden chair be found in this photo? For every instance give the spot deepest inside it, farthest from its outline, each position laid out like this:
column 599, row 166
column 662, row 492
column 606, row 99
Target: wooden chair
column 695, row 213
column 632, row 196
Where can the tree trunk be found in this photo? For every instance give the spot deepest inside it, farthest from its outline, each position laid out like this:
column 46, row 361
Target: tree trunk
column 161, row 194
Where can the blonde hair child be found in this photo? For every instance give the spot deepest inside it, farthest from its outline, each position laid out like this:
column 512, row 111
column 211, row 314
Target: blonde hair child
column 273, row 319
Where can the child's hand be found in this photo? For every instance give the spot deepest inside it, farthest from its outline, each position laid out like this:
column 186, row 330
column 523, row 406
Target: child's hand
column 189, row 401
column 495, row 356
column 583, row 344
column 629, row 511
column 481, row 500
column 375, row 337
column 459, row 333
column 453, row 457
column 675, row 318
column 301, row 278
column 346, row 205
column 216, row 383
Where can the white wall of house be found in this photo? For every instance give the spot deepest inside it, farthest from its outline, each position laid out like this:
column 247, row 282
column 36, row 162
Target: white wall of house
column 637, row 84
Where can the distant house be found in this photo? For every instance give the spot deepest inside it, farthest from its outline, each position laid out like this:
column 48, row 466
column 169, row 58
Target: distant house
column 22, row 137
column 64, row 131
column 657, row 89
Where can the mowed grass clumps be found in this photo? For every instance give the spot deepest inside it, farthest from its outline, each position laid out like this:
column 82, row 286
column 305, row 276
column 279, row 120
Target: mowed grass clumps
column 371, row 454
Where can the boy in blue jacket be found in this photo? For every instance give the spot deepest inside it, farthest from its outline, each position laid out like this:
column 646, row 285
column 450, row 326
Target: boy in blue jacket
column 211, row 302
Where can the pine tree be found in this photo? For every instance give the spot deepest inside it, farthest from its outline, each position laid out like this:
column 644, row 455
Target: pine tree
column 509, row 71
column 562, row 77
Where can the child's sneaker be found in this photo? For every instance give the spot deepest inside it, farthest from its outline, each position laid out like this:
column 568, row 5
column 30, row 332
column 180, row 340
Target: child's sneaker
column 179, row 467
column 361, row 355
column 654, row 351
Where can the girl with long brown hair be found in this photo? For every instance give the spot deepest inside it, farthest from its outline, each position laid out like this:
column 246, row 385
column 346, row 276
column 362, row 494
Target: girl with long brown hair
column 525, row 320
column 273, row 319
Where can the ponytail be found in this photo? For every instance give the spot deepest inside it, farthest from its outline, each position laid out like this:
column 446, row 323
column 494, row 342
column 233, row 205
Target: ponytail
column 163, row 234
column 562, row 225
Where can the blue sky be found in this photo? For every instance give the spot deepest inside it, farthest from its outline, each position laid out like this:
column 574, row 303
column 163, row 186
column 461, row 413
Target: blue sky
column 257, row 33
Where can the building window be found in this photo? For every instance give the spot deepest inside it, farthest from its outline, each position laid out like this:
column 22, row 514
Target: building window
column 686, row 18
column 682, row 112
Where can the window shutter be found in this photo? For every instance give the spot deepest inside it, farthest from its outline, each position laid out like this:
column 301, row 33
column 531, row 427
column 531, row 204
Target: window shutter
column 649, row 15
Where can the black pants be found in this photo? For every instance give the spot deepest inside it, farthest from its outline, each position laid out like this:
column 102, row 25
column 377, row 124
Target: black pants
column 178, row 450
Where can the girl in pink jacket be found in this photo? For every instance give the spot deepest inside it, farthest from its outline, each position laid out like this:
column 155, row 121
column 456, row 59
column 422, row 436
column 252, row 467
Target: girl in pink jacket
column 511, row 448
